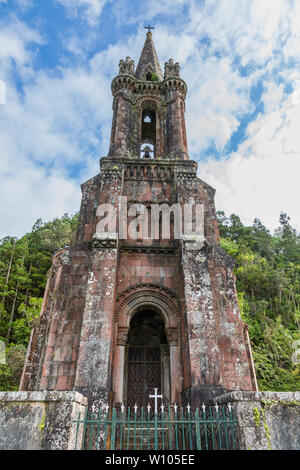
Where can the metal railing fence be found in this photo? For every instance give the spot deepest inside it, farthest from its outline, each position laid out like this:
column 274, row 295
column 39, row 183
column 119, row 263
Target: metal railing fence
column 171, row 428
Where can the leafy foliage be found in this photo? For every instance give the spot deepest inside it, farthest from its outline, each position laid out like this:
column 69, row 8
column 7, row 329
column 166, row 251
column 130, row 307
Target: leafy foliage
column 23, row 269
column 154, row 77
column 11, row 371
column 267, row 270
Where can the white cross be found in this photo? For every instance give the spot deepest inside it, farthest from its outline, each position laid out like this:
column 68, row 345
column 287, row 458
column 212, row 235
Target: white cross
column 155, row 396
column 106, row 407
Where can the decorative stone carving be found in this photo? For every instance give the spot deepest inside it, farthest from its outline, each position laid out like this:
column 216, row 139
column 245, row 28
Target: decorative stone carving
column 122, row 335
column 172, row 336
column 193, row 242
column 127, row 66
column 157, row 297
column 112, row 174
column 105, row 240
column 171, row 69
column 104, row 243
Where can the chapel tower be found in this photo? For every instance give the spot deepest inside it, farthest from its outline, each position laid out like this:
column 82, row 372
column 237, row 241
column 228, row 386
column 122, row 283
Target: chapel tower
column 122, row 315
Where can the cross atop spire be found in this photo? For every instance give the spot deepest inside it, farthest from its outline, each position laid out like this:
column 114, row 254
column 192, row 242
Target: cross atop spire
column 149, row 28
column 148, row 64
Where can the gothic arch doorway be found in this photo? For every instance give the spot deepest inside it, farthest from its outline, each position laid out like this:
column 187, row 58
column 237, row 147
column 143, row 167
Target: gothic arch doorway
column 163, row 317
column 147, row 358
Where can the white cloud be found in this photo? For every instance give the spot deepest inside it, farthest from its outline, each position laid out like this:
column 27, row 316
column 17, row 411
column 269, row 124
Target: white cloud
column 273, row 97
column 15, row 37
column 251, row 28
column 262, row 177
column 52, row 124
column 28, row 193
column 143, row 12
column 214, row 104
column 91, row 9
column 43, row 135
column 24, row 4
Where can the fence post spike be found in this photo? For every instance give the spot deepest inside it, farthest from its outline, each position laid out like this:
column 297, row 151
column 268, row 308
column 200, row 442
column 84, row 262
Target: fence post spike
column 135, row 407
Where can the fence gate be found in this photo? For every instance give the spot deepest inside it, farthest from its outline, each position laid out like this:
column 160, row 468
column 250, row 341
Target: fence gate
column 171, row 428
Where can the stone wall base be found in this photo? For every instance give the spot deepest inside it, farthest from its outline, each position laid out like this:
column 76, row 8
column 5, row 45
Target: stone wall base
column 43, row 420
column 39, row 420
column 198, row 395
column 267, row 420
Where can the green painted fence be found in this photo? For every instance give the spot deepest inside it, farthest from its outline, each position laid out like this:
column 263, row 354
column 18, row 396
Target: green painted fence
column 172, row 428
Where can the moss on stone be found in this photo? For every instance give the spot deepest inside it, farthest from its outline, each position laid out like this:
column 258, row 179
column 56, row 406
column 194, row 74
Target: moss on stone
column 42, row 423
column 256, row 413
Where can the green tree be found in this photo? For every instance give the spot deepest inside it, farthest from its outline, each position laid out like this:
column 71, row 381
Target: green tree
column 267, row 269
column 24, row 264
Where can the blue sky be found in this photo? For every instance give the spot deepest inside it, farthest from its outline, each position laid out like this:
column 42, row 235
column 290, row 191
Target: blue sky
column 240, row 59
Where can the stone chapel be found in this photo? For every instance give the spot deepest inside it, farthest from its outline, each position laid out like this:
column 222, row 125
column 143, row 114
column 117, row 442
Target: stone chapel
column 123, row 316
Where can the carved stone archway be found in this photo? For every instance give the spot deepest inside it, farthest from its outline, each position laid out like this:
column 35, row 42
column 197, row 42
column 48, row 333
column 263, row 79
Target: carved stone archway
column 161, row 300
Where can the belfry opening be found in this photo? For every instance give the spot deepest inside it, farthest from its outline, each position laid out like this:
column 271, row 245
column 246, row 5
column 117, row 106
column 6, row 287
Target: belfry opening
column 148, row 133
column 148, row 358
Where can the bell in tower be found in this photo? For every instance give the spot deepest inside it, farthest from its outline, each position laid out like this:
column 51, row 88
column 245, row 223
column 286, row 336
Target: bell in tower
column 124, row 314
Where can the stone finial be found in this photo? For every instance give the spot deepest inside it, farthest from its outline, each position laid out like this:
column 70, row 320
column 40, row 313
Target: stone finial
column 171, row 69
column 126, row 66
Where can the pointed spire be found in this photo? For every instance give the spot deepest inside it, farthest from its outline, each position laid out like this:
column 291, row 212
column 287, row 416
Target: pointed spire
column 148, row 62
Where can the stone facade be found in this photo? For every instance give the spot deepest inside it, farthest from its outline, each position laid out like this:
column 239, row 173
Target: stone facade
column 266, row 420
column 40, row 420
column 97, row 286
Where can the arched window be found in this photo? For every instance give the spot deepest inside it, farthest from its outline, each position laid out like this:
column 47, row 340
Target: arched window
column 148, row 134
